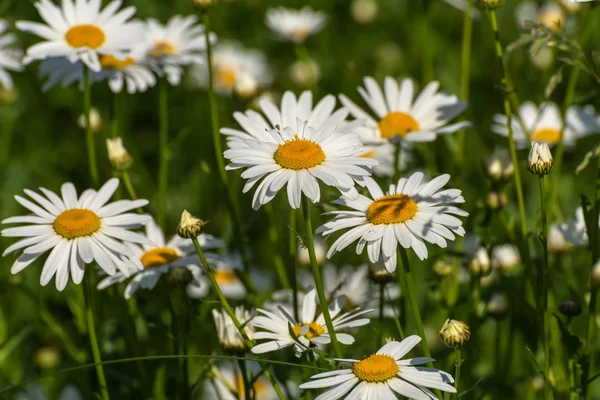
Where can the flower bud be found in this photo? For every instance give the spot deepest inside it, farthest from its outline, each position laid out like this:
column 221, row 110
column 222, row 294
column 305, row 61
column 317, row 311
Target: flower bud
column 490, row 4
column 499, row 166
column 569, row 308
column 364, row 11
column 454, row 333
column 305, row 72
column 229, row 336
column 480, row 264
column 557, row 243
column 117, row 154
column 245, row 85
column 595, row 275
column 380, row 275
column 552, row 16
column 47, row 357
column 497, row 306
column 189, row 227
column 203, row 4
column 505, row 257
column 496, row 200
column 180, row 277
column 95, row 120
column 540, row 160
column 443, row 267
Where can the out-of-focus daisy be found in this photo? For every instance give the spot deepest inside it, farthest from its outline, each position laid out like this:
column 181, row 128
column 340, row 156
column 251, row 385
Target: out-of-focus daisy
column 310, row 330
column 306, row 145
column 80, row 31
column 233, row 63
column 228, row 383
column 158, row 257
column 384, row 153
column 462, row 6
column 398, row 117
column 95, row 120
column 179, row 43
column 224, row 269
column 10, row 57
column 36, row 392
column 505, row 257
column 306, row 72
column 295, row 25
column 544, row 124
column 574, row 231
column 383, row 375
column 550, row 14
column 410, row 213
column 78, row 231
column 320, row 251
column 364, row 11
column 228, row 334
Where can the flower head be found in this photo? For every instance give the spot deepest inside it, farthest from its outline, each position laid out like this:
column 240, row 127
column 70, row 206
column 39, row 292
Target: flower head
column 78, row 230
column 10, row 57
column 228, row 334
column 505, row 257
column 189, row 226
column 117, row 154
column 384, row 374
column 454, row 333
column 80, row 31
column 540, row 159
column 295, row 25
column 409, row 214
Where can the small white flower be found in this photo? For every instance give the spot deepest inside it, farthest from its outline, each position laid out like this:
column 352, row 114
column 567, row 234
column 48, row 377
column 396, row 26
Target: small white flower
column 10, row 57
column 540, row 159
column 80, row 31
column 364, row 11
column 228, row 334
column 117, row 153
column 544, row 124
column 410, row 213
column 499, row 166
column 78, row 231
column 295, row 25
column 305, row 72
column 384, row 375
column 309, row 330
column 225, row 270
column 95, row 120
column 398, row 117
column 480, row 263
column 505, row 257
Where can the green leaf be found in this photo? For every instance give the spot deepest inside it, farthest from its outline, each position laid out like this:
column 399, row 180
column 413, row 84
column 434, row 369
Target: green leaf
column 592, row 154
column 540, row 369
column 571, row 342
column 554, row 81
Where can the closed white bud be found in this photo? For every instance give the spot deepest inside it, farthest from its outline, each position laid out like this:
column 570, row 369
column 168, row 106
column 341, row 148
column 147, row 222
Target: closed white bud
column 95, row 120
column 305, row 72
column 245, row 85
column 540, row 159
column 505, row 257
column 499, row 166
column 364, row 11
column 480, row 264
column 117, row 154
column 189, row 226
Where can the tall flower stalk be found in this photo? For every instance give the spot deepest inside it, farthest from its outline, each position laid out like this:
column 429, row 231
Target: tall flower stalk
column 465, row 75
column 89, row 132
column 163, row 149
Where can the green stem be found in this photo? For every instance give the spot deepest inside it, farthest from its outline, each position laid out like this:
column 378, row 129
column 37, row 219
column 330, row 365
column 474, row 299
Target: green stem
column 544, row 300
column 381, row 300
column 229, row 311
column 114, row 124
column 246, row 382
column 88, row 295
column 293, row 246
column 397, row 153
column 408, row 286
column 89, row 132
column 465, row 62
column 163, row 149
column 317, row 275
column 274, row 238
column 457, row 363
column 507, row 87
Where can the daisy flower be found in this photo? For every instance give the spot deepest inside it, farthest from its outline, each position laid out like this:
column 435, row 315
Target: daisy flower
column 228, row 334
column 158, row 257
column 81, row 31
column 232, row 63
column 544, row 124
column 179, row 43
column 384, row 375
column 309, row 330
column 306, row 145
column 78, row 231
column 505, row 257
column 574, row 231
column 410, row 213
column 224, row 268
column 398, row 117
column 228, row 383
column 384, row 153
column 10, row 58
column 295, row 25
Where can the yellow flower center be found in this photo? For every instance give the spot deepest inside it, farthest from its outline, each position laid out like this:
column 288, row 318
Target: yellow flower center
column 314, row 330
column 392, row 209
column 369, row 154
column 301, row 33
column 110, row 62
column 299, row 154
column 548, row 135
column 376, row 368
column 74, row 223
column 158, row 257
column 85, row 35
column 225, row 276
column 397, row 123
column 162, row 48
column 226, row 77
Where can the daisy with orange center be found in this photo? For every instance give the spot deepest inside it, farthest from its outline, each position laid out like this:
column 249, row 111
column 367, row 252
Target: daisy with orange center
column 78, row 230
column 297, row 146
column 295, row 25
column 10, row 58
column 158, row 257
column 399, row 118
column 384, row 375
column 410, row 214
column 80, row 31
column 310, row 329
column 545, row 124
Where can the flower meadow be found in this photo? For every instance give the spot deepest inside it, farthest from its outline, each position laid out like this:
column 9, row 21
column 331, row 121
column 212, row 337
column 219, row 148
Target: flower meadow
column 241, row 199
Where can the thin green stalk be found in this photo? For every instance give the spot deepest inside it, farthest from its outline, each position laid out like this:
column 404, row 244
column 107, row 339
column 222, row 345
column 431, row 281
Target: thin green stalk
column 229, row 311
column 274, row 238
column 458, row 364
column 116, row 112
column 409, row 293
column 544, row 302
column 293, row 246
column 163, row 150
column 89, row 133
column 465, row 75
column 88, row 295
column 381, row 300
column 507, row 87
column 317, row 276
column 245, row 380
column 397, row 153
